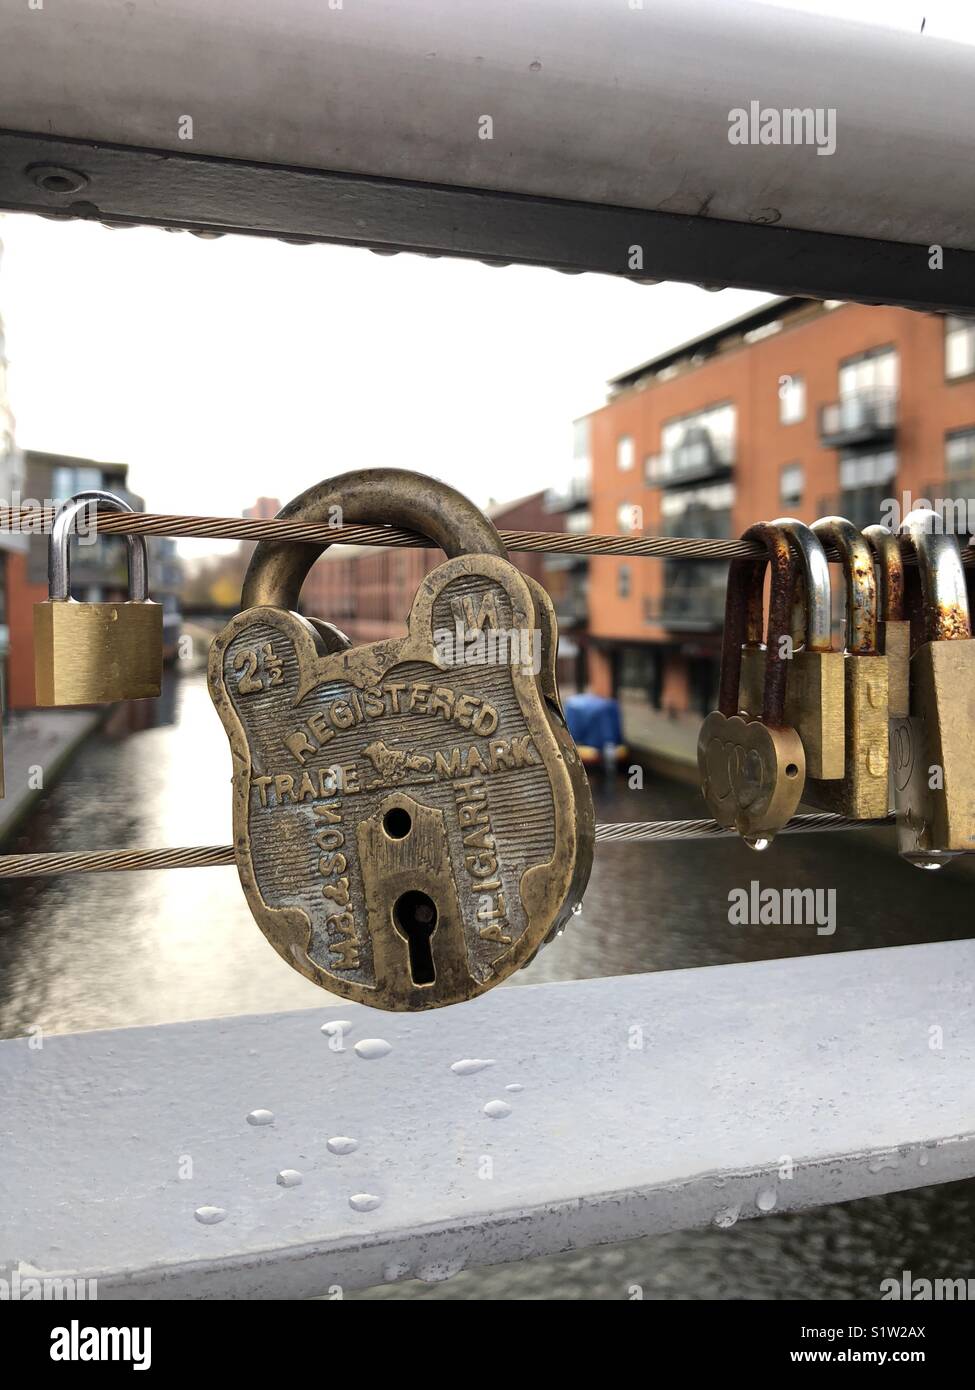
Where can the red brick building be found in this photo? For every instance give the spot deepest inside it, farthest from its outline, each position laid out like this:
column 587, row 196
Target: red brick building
column 799, row 408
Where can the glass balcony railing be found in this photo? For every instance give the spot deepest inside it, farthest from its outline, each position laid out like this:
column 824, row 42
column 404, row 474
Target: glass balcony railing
column 862, row 417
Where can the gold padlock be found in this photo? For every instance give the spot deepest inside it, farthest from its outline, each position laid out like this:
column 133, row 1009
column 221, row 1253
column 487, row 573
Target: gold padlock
column 753, row 769
column 862, row 792
column 814, row 696
column 933, row 750
column 96, row 653
column 893, row 627
column 411, row 818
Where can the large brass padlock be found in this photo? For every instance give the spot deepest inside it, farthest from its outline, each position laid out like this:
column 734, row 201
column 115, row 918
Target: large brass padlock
column 411, row 818
column 96, row 653
column 753, row 769
column 814, row 700
column 933, row 751
column 862, row 792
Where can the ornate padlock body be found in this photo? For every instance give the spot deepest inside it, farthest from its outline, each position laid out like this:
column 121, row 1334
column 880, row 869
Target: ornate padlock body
column 411, row 822
column 814, row 694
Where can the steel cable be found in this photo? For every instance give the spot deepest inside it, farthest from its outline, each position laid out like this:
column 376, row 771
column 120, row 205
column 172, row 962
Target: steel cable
column 213, row 856
column 36, row 522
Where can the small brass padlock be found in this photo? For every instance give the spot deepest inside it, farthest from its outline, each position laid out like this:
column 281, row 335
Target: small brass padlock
column 814, row 700
column 753, row 769
column 893, row 629
column 96, row 653
column 411, row 818
column 933, row 750
column 862, row 792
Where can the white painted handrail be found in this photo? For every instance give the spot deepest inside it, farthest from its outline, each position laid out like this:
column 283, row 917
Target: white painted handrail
column 649, row 1103
column 598, row 101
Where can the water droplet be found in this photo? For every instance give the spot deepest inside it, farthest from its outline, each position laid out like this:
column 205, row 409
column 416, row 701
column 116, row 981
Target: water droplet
column 209, row 1216
column 261, row 1117
column 438, row 1270
column 364, row 1201
column 766, row 1199
column 757, row 842
column 336, row 1026
column 727, row 1217
column 468, row 1065
column 923, row 1160
column 289, row 1177
column 878, row 1165
column 371, row 1048
column 515, row 1086
column 341, row 1144
column 577, row 910
column 497, row 1109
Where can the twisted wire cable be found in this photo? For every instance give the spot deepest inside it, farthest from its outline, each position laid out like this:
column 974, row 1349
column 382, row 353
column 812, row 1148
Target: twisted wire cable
column 213, row 856
column 34, row 522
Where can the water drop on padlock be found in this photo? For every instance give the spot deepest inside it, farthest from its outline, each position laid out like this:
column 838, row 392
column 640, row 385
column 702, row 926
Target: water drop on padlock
column 757, row 842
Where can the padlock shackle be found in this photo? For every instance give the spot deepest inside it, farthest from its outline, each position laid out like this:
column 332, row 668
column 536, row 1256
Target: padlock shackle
column 366, row 497
column 59, row 551
column 944, row 593
column 890, row 561
column 745, row 576
column 813, row 600
column 861, row 582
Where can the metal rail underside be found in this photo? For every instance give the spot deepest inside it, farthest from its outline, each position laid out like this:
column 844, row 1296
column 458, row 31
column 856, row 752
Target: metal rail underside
column 650, row 1103
column 154, row 187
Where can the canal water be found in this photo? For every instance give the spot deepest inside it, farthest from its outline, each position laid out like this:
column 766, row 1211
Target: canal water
column 116, row 950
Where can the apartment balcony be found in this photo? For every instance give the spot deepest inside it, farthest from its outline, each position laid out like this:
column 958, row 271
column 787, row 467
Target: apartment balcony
column 698, row 457
column 863, row 417
column 572, row 610
column 574, row 493
column 565, row 563
column 688, row 608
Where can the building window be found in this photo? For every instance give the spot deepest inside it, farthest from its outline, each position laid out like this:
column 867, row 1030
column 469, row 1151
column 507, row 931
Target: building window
column 625, row 453
column 865, row 484
column 791, row 481
column 959, row 347
column 960, row 453
column 623, row 581
column 873, row 371
column 629, row 518
column 792, row 399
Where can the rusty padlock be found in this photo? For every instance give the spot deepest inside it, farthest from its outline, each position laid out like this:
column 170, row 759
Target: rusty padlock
column 893, row 627
column 411, row 822
column 933, row 751
column 753, row 769
column 862, row 792
column 814, row 699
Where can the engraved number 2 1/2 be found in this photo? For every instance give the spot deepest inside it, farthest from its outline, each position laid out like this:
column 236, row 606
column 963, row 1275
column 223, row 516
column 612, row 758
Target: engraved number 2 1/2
column 259, row 663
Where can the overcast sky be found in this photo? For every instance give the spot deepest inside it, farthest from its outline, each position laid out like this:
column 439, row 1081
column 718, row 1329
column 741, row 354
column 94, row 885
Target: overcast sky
column 224, row 370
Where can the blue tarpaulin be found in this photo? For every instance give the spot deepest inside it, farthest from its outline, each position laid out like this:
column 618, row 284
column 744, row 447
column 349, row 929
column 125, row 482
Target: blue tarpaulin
column 594, row 720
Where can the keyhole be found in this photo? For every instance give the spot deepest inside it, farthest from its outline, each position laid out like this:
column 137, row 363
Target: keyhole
column 415, row 918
